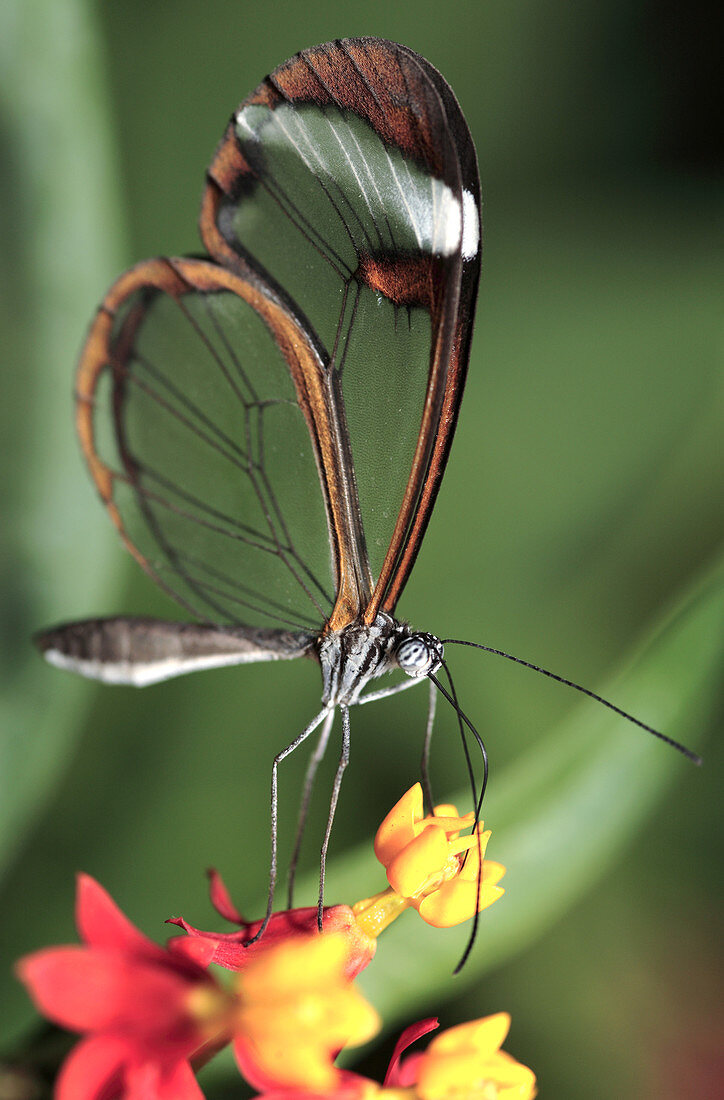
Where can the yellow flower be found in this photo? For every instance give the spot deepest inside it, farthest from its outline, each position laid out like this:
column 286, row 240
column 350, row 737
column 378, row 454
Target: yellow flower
column 430, row 866
column 463, row 1063
column 466, row 1063
column 297, row 1010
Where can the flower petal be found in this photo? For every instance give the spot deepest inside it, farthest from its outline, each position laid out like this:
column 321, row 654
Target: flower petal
column 514, row 1080
column 409, row 1036
column 68, row 985
column 221, row 899
column 474, row 847
column 425, row 855
column 93, row 1070
column 446, row 809
column 101, row 923
column 450, row 823
column 455, row 902
column 86, row 989
column 398, row 827
column 492, row 872
column 231, row 951
column 150, row 1081
column 485, row 1036
column 278, row 1063
column 193, row 949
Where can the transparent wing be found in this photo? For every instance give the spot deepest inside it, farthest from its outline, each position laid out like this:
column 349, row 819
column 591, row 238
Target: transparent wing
column 191, row 415
column 348, row 182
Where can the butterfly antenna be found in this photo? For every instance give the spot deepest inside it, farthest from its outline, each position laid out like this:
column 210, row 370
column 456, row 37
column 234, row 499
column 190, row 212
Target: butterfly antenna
column 425, row 758
column 477, row 801
column 463, row 719
column 453, row 699
column 694, row 757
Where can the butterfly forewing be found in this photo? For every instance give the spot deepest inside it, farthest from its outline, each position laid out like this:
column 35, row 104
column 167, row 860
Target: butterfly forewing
column 348, row 180
column 201, row 448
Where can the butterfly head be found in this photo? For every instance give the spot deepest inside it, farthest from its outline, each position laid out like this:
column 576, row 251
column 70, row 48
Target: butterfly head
column 419, row 654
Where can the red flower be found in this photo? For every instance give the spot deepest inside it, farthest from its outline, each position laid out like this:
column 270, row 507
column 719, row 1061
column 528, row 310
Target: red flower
column 228, row 949
column 145, row 1010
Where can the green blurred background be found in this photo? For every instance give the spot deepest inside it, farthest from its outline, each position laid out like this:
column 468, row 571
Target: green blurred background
column 582, row 503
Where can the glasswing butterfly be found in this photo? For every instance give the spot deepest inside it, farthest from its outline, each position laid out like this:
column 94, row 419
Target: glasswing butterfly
column 268, row 426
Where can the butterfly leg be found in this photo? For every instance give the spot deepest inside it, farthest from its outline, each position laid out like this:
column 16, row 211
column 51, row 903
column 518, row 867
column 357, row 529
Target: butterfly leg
column 343, row 762
column 309, row 778
column 384, row 693
column 280, row 756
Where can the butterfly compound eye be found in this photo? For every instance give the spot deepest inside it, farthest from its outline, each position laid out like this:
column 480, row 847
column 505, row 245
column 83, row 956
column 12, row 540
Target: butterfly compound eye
column 419, row 654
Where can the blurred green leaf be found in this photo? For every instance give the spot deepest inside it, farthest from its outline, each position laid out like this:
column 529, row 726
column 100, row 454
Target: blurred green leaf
column 61, row 232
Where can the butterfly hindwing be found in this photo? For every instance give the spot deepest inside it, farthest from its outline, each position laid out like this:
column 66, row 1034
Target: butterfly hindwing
column 188, row 412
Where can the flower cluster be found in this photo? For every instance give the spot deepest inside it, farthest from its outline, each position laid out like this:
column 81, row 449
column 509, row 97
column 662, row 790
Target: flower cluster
column 286, row 1002
column 430, row 866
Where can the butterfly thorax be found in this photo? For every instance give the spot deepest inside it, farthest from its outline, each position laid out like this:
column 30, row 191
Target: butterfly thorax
column 351, row 657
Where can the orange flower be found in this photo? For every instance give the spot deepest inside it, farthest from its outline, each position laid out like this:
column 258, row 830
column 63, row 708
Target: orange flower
column 297, row 1010
column 466, row 1061
column 430, row 866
